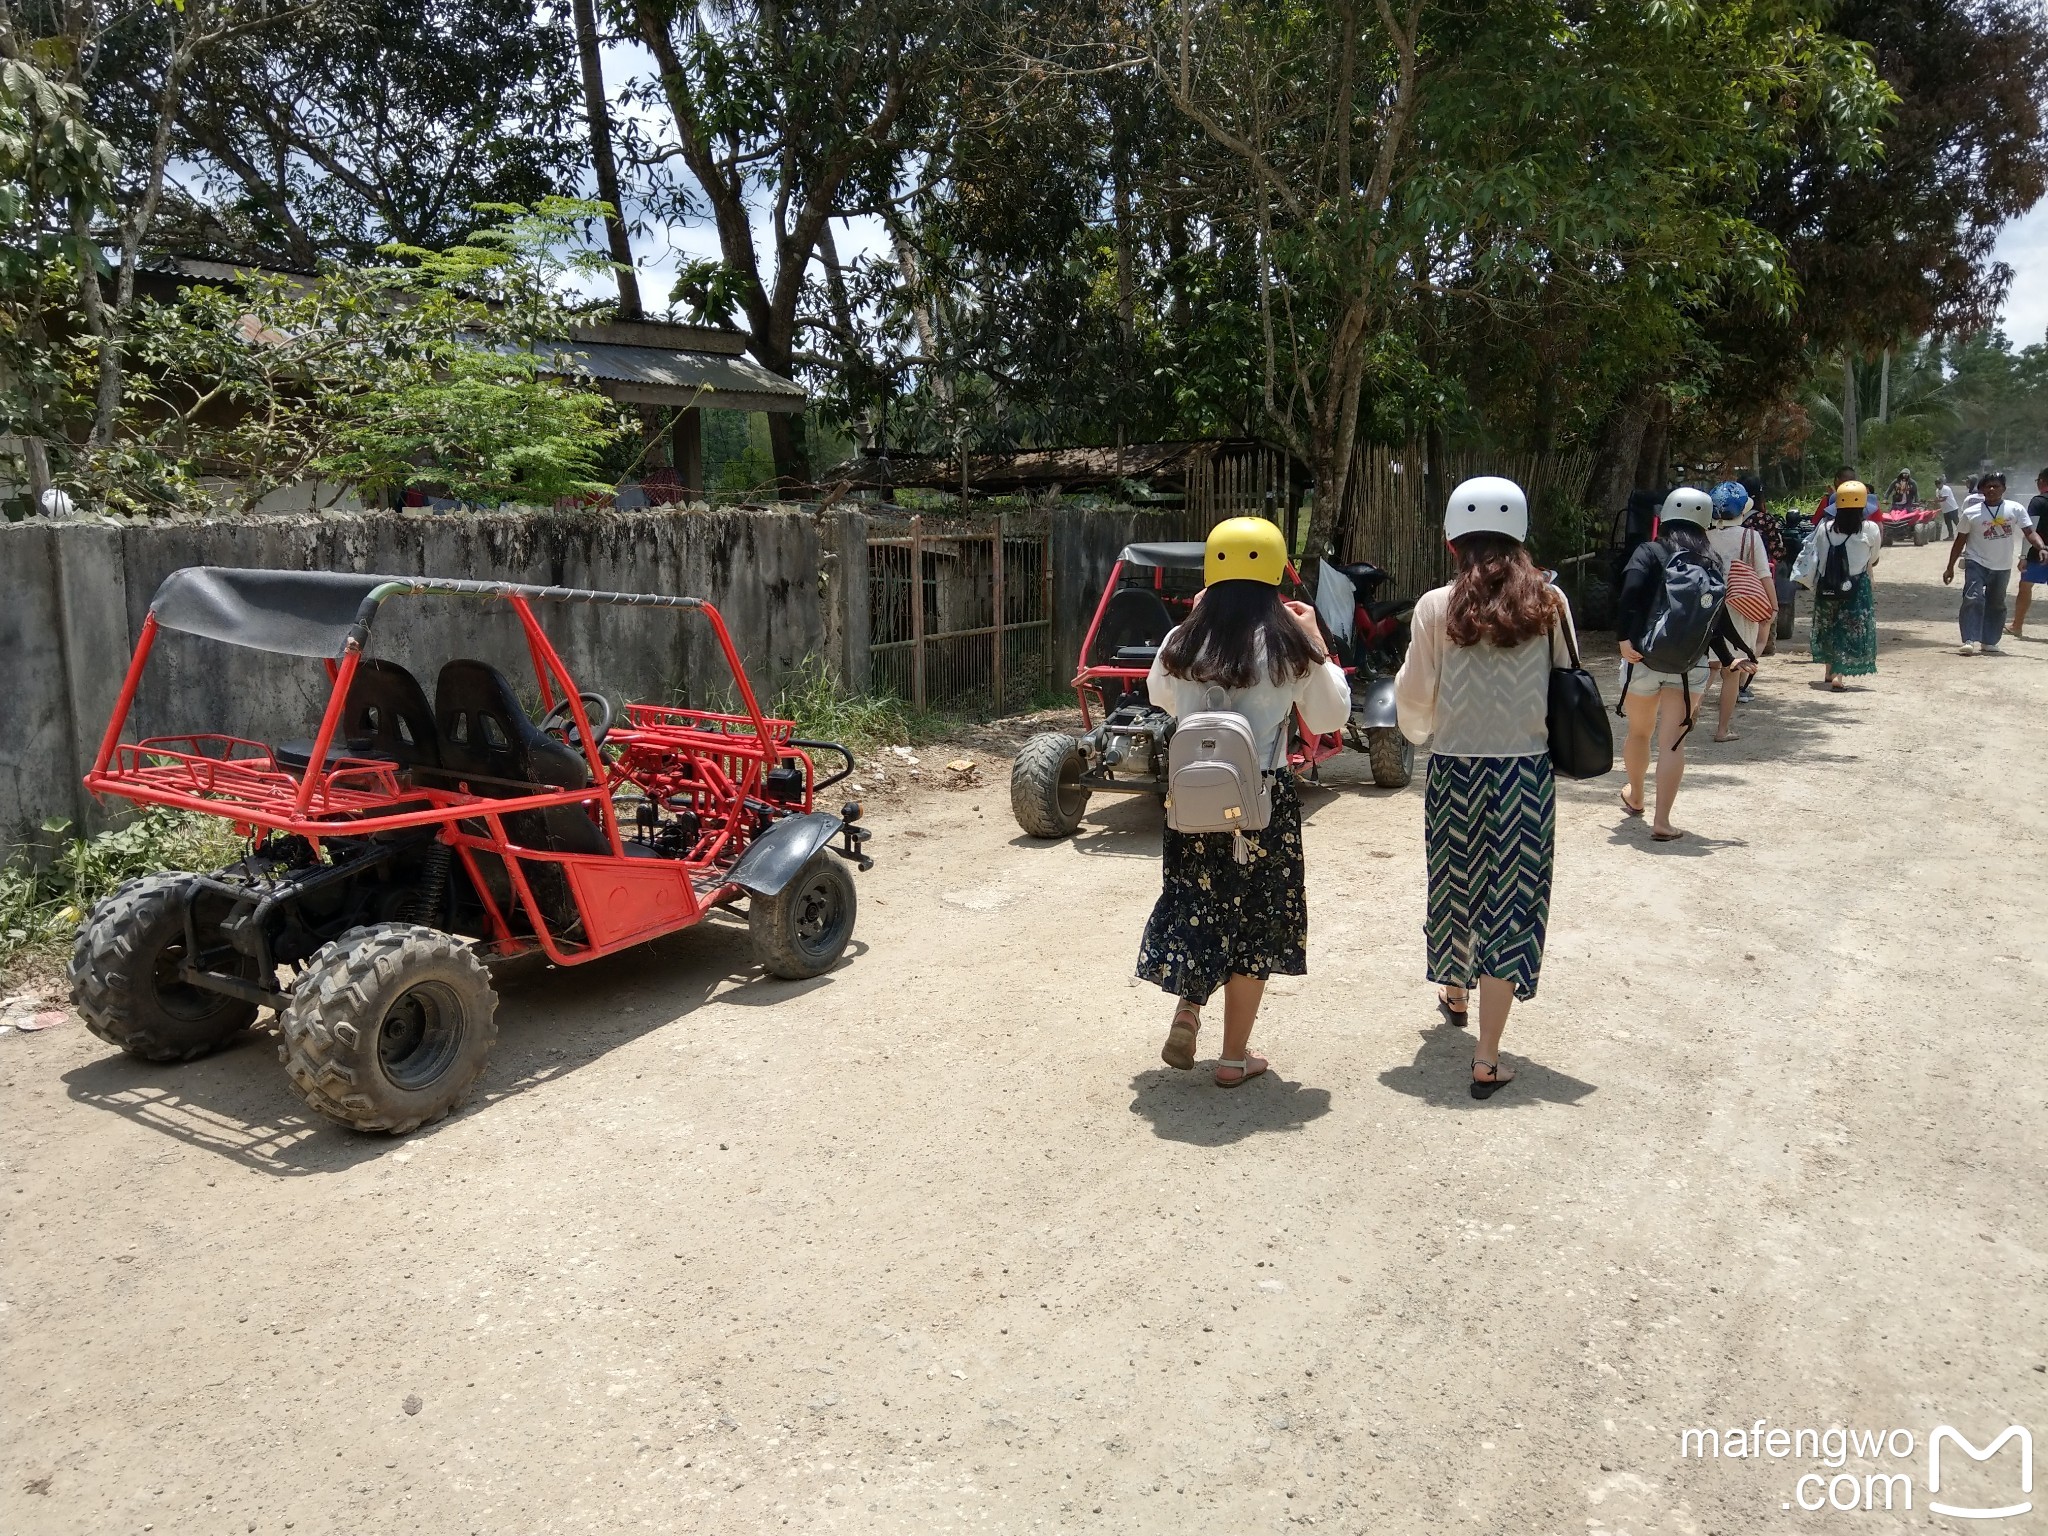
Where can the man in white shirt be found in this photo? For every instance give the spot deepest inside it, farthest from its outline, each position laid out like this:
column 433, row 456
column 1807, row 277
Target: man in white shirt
column 1993, row 533
column 1949, row 510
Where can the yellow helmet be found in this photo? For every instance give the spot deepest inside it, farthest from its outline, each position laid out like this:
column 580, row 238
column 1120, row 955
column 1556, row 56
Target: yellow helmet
column 1244, row 549
column 1852, row 496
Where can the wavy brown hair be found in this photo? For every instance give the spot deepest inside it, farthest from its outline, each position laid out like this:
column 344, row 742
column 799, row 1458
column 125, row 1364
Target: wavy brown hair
column 1498, row 597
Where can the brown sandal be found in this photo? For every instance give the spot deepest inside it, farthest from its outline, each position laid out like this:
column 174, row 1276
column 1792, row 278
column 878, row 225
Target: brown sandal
column 1247, row 1069
column 1179, row 1050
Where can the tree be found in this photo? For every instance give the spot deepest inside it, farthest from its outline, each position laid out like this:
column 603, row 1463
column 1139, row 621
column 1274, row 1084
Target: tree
column 795, row 110
column 1899, row 244
column 417, row 372
column 57, row 174
column 369, row 121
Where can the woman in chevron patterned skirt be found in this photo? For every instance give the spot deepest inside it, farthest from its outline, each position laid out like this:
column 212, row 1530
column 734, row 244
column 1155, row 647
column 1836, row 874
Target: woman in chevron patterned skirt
column 1475, row 687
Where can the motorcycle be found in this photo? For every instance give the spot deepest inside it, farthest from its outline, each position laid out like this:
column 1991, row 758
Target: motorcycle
column 1378, row 642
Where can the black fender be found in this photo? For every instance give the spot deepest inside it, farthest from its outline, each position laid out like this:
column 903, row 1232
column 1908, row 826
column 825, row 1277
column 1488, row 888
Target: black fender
column 1372, row 708
column 773, row 859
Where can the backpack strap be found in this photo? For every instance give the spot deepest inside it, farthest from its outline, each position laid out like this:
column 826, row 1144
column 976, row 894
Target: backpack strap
column 1685, row 688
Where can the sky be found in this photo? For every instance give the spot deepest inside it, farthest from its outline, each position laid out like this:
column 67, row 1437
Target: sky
column 2023, row 246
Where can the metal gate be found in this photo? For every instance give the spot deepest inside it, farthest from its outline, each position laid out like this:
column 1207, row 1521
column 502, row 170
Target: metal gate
column 960, row 613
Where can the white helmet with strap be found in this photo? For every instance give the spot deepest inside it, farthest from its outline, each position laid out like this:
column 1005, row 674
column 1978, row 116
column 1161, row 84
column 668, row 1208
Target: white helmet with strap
column 1487, row 504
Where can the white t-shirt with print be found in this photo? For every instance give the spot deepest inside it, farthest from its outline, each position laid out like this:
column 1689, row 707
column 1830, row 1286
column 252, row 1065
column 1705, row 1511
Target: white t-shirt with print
column 1997, row 534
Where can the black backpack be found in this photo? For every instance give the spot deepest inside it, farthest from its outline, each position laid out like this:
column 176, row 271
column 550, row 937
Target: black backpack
column 1835, row 580
column 1683, row 614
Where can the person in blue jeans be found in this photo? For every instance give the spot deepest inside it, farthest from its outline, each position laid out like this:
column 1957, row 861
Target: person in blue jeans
column 1993, row 533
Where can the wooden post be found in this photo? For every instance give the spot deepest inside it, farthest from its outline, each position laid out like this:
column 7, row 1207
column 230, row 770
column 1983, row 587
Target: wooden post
column 1045, row 602
column 689, row 451
column 998, row 670
column 917, row 612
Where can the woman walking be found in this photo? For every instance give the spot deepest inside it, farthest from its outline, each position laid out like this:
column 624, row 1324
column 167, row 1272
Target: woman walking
column 1734, row 541
column 1844, row 617
column 1476, row 686
column 1222, row 922
column 1659, row 705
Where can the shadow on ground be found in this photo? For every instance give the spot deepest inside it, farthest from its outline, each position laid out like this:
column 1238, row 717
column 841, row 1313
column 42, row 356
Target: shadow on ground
column 1189, row 1107
column 551, row 1021
column 1441, row 1075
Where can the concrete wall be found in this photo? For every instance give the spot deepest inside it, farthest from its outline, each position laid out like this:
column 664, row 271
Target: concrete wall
column 793, row 587
column 73, row 597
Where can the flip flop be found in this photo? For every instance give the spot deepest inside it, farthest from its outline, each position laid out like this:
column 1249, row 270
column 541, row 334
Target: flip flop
column 1488, row 1090
column 1665, row 837
column 1179, row 1050
column 1633, row 810
column 1457, row 1016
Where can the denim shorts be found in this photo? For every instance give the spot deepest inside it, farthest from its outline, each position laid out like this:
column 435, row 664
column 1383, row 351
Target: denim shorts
column 1644, row 682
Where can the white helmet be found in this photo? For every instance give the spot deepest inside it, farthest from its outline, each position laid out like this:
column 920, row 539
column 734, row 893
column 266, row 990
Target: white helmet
column 1687, row 505
column 1487, row 504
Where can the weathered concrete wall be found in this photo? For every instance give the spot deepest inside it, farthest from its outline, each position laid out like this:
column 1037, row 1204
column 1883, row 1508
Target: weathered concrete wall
column 1085, row 544
column 73, row 598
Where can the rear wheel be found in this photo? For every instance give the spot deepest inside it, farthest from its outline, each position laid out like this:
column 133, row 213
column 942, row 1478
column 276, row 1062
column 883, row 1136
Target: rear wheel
column 803, row 929
column 1392, row 756
column 1786, row 614
column 389, row 1027
column 127, row 964
column 1046, row 793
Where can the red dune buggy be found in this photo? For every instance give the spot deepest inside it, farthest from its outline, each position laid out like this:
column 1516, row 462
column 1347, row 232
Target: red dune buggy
column 1123, row 743
column 408, row 844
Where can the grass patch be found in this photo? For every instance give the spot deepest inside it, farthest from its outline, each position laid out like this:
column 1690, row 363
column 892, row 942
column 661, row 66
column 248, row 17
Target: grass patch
column 41, row 908
column 824, row 709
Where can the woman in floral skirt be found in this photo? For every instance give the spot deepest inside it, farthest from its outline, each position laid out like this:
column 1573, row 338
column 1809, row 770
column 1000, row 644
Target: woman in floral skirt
column 1223, row 922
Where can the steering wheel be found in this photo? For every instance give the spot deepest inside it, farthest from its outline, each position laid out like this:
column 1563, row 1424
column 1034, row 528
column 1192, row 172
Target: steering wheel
column 560, row 722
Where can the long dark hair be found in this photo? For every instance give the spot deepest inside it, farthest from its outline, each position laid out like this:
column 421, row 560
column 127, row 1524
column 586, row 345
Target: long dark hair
column 1686, row 536
column 1238, row 626
column 1498, row 597
column 1848, row 520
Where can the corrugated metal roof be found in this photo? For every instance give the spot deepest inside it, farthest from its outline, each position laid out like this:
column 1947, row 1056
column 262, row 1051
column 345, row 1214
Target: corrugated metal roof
column 669, row 368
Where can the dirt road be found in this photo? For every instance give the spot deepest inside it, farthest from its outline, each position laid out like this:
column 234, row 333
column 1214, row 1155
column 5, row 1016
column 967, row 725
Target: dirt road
column 935, row 1244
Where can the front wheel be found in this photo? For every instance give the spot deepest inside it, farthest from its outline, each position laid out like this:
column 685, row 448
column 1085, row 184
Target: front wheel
column 1046, row 793
column 1391, row 755
column 388, row 1027
column 127, row 971
column 803, row 929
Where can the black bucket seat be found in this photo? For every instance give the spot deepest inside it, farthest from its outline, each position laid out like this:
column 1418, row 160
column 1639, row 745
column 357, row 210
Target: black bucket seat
column 483, row 731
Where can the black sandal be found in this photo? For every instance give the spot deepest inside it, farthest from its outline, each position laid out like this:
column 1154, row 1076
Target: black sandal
column 1457, row 1016
column 1488, row 1090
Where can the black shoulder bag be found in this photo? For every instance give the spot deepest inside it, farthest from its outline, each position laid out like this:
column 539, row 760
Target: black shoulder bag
column 1581, row 741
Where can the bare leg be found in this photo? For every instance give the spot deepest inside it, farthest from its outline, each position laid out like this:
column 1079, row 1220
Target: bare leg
column 1241, row 996
column 2022, row 600
column 1731, row 684
column 1496, row 997
column 1672, row 718
column 1641, row 709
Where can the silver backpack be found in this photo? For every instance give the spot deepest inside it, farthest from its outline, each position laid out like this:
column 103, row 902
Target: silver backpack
column 1214, row 779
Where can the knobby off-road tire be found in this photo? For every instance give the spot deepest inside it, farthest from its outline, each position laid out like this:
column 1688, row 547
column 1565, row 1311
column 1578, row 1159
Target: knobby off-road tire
column 388, row 1027
column 803, row 929
column 1046, row 793
column 1391, row 755
column 1788, row 614
column 124, row 975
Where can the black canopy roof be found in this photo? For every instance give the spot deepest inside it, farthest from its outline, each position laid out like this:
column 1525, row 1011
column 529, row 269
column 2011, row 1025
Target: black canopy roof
column 313, row 613
column 1173, row 557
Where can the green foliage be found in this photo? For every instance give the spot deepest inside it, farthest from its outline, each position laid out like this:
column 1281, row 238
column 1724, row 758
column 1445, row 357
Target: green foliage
column 824, row 710
column 419, row 372
column 41, row 907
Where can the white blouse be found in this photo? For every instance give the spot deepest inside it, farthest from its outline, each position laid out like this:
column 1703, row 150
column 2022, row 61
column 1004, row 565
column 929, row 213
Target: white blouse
column 1864, row 546
column 1477, row 700
column 1322, row 694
